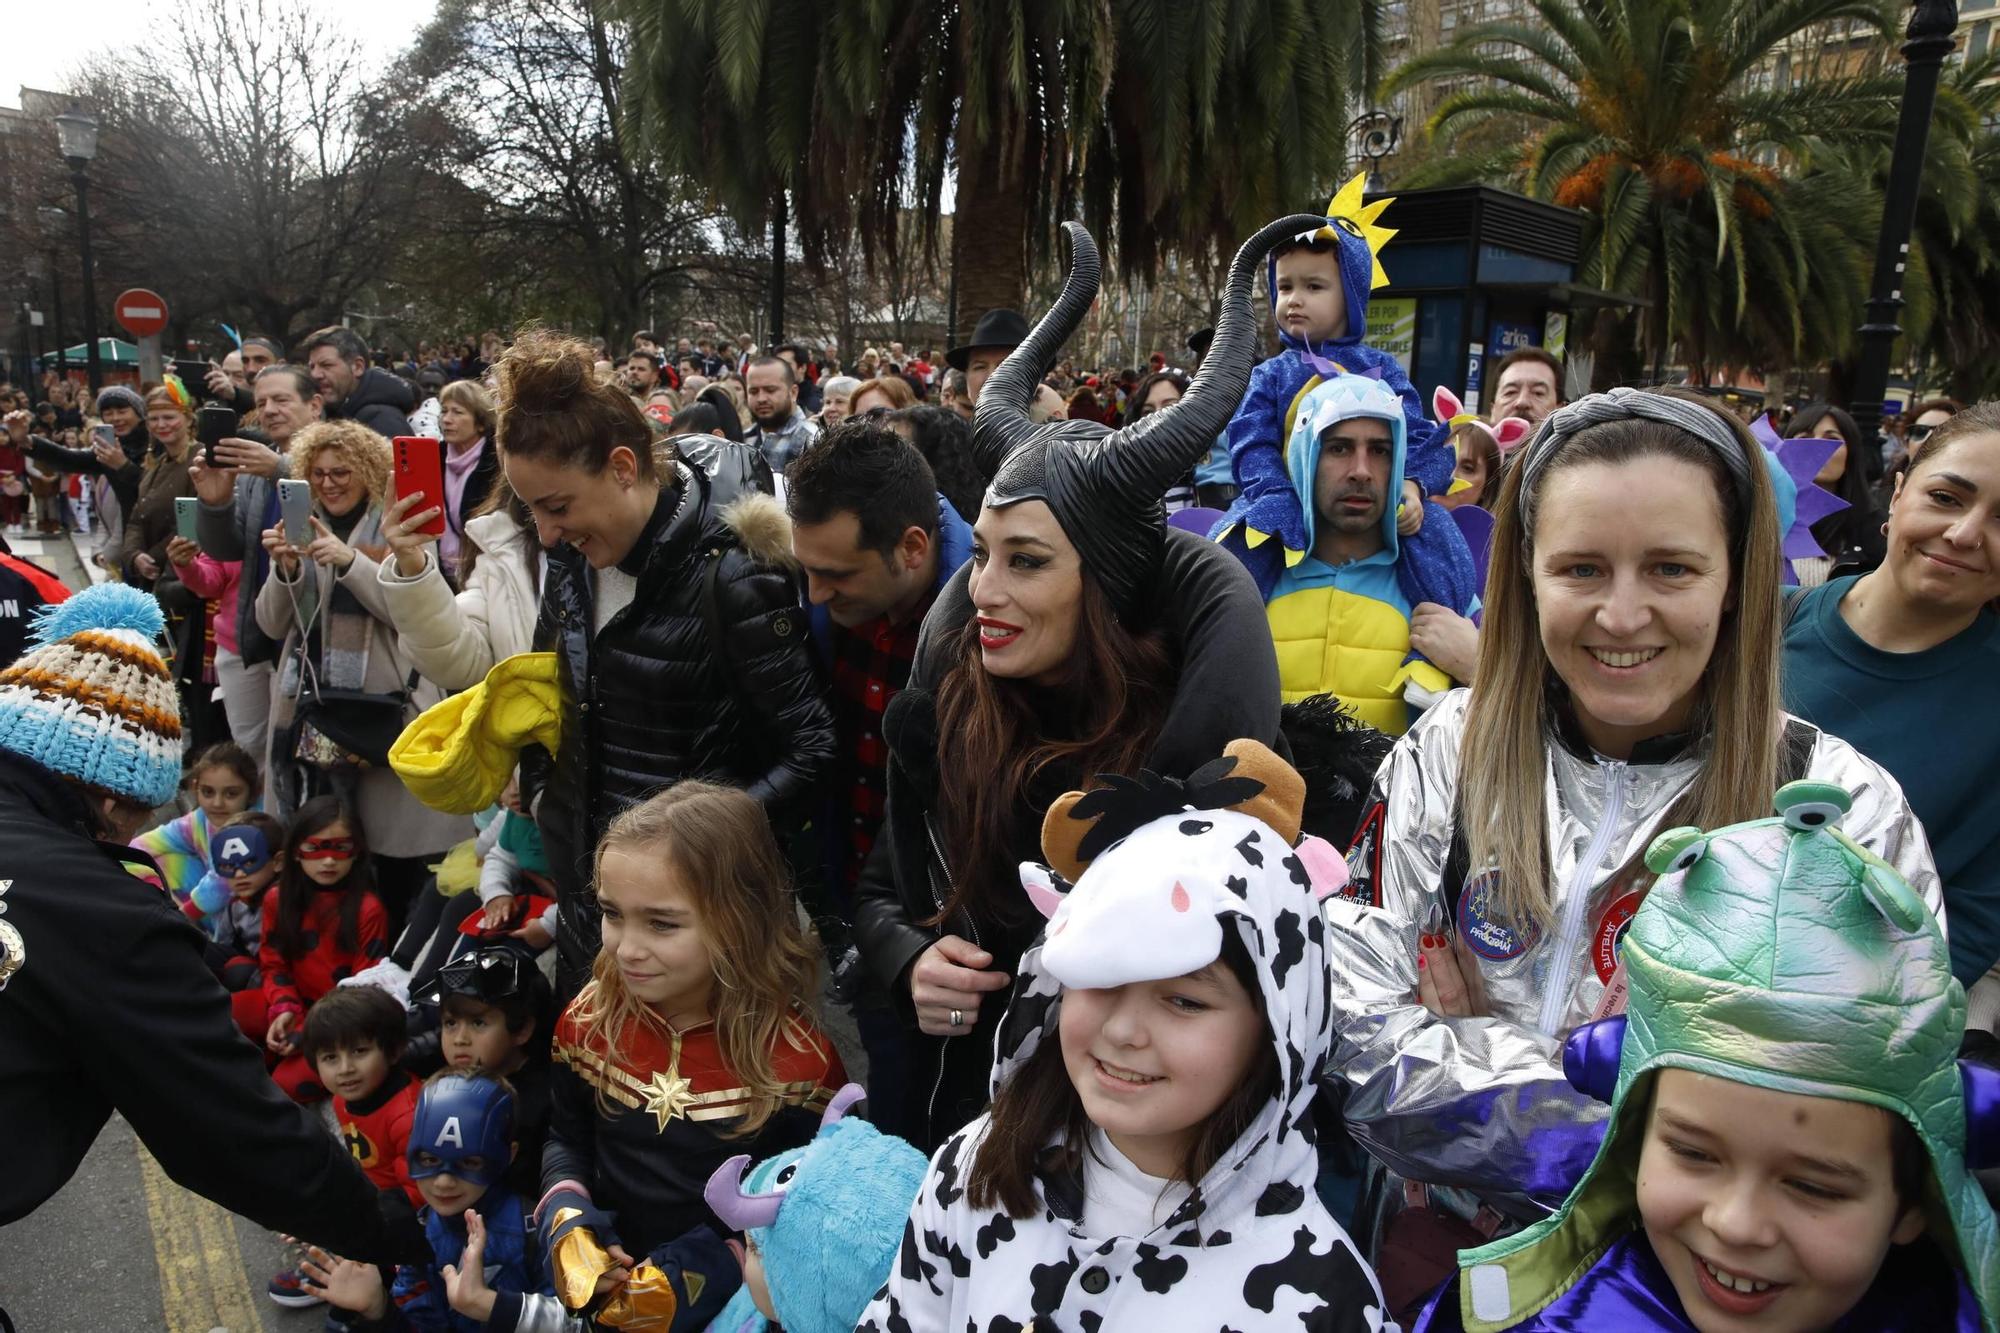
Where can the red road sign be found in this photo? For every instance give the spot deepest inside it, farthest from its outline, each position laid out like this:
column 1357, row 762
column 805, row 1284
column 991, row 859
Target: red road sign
column 140, row 312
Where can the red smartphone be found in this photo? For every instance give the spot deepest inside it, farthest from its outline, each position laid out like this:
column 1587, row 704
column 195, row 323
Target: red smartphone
column 420, row 467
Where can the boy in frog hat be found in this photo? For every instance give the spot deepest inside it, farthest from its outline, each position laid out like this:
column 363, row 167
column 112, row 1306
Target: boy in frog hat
column 1792, row 1138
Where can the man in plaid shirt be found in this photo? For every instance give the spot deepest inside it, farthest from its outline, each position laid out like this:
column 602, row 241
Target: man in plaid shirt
column 876, row 542
column 780, row 429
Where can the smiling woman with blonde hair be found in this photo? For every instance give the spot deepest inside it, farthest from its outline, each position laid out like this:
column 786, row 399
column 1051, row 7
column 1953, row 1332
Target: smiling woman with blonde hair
column 1627, row 683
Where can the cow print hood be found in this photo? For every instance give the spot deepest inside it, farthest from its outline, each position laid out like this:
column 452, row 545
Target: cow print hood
column 1155, row 905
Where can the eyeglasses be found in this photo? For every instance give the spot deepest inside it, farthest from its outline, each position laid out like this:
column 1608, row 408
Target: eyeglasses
column 338, row 476
column 326, row 849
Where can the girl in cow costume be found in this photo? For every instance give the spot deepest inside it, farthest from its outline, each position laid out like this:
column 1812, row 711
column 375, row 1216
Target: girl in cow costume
column 1148, row 1160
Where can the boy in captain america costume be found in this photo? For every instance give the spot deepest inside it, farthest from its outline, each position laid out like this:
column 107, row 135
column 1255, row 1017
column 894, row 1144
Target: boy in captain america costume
column 461, row 1142
column 1320, row 286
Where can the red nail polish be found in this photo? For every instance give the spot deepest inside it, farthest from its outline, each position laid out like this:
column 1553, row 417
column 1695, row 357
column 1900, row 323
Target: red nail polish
column 1420, row 962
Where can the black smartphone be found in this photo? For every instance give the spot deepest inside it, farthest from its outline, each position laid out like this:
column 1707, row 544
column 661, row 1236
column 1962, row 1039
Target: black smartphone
column 213, row 424
column 194, row 375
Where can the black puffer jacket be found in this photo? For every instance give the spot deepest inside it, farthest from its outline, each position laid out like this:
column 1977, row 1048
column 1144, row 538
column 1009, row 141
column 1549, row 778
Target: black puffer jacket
column 1227, row 688
column 651, row 700
column 381, row 401
column 107, row 1005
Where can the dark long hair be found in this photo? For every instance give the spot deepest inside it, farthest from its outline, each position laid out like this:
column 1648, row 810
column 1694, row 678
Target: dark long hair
column 726, row 415
column 994, row 741
column 1856, row 484
column 296, row 890
column 1039, row 1102
column 1136, row 401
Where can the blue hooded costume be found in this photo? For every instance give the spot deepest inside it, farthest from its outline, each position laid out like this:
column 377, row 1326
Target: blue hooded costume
column 1435, row 562
column 1345, row 629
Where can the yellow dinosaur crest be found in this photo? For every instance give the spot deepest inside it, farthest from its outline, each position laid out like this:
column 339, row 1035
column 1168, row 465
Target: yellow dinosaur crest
column 1358, row 219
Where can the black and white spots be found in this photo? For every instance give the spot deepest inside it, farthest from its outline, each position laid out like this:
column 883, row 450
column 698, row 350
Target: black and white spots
column 997, row 1231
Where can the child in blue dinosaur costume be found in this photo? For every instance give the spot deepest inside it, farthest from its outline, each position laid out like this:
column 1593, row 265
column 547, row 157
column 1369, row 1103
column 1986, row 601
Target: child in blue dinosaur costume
column 1268, row 506
column 822, row 1224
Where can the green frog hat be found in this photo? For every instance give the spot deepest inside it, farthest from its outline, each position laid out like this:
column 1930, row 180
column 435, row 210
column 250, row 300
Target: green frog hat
column 1780, row 954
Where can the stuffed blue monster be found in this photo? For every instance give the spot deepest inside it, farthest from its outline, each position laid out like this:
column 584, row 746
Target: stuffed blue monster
column 823, row 1224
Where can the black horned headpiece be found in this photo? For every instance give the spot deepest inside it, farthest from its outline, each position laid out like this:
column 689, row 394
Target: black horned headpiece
column 1104, row 485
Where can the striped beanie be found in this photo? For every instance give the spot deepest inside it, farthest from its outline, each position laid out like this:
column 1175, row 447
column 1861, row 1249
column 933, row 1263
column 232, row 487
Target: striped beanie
column 93, row 700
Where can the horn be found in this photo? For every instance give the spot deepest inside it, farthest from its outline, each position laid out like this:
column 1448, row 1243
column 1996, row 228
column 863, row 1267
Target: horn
column 1000, row 422
column 726, row 1199
column 1174, row 440
column 843, row 1102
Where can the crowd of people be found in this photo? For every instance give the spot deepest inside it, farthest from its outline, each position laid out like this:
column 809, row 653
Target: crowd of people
column 1290, row 852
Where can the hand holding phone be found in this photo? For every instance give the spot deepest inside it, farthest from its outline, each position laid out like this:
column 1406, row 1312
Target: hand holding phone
column 419, row 470
column 213, row 424
column 295, row 504
column 186, row 507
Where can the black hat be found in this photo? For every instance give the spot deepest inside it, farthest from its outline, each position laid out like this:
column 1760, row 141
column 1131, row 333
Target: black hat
column 1104, row 486
column 1198, row 341
column 996, row 328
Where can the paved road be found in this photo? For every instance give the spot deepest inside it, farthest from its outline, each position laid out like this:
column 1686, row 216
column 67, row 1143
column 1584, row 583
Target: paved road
column 122, row 1249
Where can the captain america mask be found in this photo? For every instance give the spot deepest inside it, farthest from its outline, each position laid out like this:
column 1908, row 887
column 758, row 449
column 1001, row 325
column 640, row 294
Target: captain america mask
column 464, row 1128
column 240, row 849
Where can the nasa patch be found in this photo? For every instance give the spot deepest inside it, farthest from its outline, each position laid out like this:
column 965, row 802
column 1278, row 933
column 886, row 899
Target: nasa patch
column 1494, row 940
column 1364, row 860
column 1610, row 936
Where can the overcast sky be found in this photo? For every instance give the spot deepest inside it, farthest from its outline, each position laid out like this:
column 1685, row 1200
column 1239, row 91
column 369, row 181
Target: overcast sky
column 46, row 39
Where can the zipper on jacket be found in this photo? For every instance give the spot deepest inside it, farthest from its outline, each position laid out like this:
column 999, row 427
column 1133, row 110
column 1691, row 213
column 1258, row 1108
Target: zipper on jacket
column 1556, row 994
column 930, row 834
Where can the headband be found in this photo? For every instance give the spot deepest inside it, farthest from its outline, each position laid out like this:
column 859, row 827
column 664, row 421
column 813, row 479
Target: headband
column 1631, row 405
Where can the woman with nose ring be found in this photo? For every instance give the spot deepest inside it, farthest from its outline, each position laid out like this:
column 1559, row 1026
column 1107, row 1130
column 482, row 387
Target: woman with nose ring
column 1082, row 637
column 1628, row 683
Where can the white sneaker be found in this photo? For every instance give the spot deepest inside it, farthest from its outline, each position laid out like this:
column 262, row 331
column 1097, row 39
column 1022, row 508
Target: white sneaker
column 386, row 975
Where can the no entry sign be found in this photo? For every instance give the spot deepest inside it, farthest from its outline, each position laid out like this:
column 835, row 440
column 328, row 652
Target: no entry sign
column 140, row 312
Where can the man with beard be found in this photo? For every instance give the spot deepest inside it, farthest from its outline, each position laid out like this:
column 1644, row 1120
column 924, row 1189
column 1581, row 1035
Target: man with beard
column 780, row 429
column 352, row 390
column 1341, row 616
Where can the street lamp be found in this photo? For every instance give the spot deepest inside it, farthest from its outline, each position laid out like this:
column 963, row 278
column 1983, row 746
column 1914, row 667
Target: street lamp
column 1376, row 134
column 52, row 221
column 77, row 131
column 1933, row 24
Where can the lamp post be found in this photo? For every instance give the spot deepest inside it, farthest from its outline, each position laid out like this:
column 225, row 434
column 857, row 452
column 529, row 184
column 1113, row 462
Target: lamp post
column 1376, row 134
column 52, row 220
column 77, row 129
column 1930, row 38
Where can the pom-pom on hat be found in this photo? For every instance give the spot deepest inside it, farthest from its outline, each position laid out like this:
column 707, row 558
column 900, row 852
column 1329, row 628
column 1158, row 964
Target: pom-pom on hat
column 92, row 698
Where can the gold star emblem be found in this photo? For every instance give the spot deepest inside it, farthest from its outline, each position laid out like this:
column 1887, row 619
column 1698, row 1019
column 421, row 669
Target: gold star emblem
column 668, row 1096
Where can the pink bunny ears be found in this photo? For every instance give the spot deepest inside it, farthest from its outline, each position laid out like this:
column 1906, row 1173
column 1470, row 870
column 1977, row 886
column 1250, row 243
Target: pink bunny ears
column 1509, row 433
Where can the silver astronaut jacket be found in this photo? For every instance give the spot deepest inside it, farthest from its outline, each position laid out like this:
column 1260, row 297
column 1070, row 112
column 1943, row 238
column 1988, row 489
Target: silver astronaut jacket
column 1481, row 1103
column 1250, row 1246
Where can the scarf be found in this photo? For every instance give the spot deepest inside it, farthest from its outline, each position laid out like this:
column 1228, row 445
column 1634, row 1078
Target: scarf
column 332, row 629
column 458, row 470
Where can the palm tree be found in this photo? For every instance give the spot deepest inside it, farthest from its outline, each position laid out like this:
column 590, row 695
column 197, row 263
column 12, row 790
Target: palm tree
column 1171, row 125
column 1659, row 120
column 1954, row 284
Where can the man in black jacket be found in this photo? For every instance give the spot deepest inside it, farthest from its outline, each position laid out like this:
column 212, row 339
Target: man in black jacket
column 353, row 390
column 105, row 1002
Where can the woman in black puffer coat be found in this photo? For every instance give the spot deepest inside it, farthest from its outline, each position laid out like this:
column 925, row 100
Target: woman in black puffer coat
column 670, row 602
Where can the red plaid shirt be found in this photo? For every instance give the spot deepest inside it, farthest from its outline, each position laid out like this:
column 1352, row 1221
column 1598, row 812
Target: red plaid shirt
column 871, row 665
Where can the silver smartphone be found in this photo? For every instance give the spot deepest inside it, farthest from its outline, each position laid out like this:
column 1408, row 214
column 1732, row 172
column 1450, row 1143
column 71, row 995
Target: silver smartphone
column 295, row 502
column 186, row 507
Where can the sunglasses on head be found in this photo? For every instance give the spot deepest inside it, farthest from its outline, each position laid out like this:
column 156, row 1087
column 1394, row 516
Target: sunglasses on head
column 1918, row 434
column 486, row 974
column 326, row 849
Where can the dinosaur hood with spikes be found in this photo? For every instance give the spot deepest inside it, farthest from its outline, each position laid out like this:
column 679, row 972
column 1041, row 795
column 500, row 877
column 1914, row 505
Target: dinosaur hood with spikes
column 1354, row 226
column 1103, row 485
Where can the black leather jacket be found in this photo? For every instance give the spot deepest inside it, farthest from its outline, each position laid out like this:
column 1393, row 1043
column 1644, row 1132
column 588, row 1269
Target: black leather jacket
column 1227, row 688
column 651, row 700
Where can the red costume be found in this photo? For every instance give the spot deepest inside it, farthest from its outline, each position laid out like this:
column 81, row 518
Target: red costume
column 670, row 1100
column 377, row 1131
column 291, row 984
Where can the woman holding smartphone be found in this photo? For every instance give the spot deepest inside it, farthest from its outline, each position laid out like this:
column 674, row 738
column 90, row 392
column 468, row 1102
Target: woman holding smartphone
column 149, row 523
column 323, row 600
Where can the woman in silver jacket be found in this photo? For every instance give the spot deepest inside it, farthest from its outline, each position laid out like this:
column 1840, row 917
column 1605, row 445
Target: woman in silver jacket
column 1628, row 683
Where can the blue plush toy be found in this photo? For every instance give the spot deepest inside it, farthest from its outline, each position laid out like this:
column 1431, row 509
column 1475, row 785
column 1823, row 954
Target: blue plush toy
column 823, row 1221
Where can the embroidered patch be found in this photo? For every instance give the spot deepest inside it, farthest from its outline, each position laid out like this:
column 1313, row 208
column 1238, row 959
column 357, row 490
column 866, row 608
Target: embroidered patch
column 13, row 949
column 1494, row 940
column 1610, row 938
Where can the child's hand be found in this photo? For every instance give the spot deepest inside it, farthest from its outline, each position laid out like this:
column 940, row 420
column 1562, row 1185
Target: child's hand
column 277, row 1037
column 181, row 552
column 465, row 1282
column 1410, row 516
column 534, row 934
column 345, row 1283
column 497, row 911
column 612, row 1279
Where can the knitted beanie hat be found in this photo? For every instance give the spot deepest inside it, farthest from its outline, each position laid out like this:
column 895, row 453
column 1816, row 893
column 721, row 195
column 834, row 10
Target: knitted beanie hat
column 118, row 395
column 92, row 698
